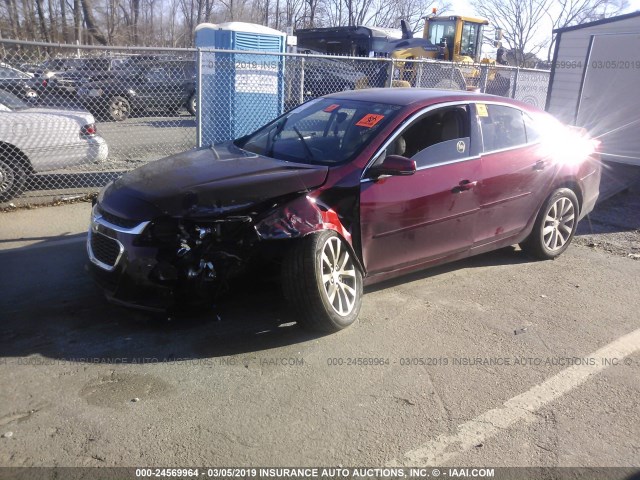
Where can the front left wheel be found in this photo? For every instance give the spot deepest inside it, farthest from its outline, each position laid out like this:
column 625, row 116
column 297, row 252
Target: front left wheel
column 322, row 282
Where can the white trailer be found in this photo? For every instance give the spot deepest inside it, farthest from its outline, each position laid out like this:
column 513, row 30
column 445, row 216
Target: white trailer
column 595, row 84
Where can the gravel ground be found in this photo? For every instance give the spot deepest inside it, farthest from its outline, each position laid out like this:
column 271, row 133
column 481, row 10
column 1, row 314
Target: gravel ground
column 614, row 225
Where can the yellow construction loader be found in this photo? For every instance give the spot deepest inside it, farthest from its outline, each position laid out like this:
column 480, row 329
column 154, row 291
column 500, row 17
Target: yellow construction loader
column 456, row 40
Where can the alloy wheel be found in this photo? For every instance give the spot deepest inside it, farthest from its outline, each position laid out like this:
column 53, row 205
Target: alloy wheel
column 338, row 276
column 119, row 110
column 6, row 177
column 558, row 223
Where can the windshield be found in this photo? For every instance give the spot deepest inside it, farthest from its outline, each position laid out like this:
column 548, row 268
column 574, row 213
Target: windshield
column 441, row 29
column 323, row 131
column 10, row 101
column 469, row 40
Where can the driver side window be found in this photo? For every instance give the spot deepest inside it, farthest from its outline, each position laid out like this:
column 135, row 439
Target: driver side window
column 437, row 137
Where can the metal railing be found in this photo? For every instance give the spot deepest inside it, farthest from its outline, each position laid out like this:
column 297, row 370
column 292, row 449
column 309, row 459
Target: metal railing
column 74, row 117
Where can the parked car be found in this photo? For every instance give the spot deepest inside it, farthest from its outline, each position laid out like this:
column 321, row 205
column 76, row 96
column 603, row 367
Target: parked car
column 345, row 190
column 29, row 67
column 34, row 140
column 19, row 83
column 157, row 87
column 50, row 67
column 323, row 76
column 82, row 70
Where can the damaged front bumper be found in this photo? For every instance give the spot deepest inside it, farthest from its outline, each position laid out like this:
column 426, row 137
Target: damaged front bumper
column 120, row 267
column 135, row 272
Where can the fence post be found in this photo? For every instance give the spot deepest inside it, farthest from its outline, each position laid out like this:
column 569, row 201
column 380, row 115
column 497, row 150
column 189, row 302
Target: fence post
column 199, row 100
column 515, row 82
column 301, row 99
column 484, row 76
column 453, row 67
column 392, row 72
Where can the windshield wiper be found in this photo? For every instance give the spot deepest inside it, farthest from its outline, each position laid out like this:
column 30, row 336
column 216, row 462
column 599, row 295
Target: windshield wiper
column 272, row 138
column 304, row 144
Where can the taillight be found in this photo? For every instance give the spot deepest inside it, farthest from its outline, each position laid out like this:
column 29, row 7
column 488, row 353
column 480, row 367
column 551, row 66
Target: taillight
column 88, row 130
column 44, row 82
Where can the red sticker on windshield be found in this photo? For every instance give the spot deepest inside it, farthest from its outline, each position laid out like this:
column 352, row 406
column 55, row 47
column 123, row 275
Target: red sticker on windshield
column 369, row 120
column 331, row 108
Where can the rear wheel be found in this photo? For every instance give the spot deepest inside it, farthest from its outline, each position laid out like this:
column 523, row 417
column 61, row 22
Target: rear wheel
column 191, row 104
column 119, row 109
column 12, row 179
column 555, row 226
column 322, row 282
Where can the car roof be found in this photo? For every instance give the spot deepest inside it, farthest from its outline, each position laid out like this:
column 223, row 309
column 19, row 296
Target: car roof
column 423, row 96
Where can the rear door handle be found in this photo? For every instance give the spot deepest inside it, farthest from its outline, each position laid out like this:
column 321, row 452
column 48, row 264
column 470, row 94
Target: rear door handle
column 463, row 186
column 539, row 166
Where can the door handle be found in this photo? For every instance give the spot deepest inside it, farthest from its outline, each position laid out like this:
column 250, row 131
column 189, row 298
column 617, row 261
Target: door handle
column 463, row 186
column 539, row 165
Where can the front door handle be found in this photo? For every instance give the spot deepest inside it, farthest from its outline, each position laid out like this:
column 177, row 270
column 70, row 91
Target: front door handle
column 463, row 186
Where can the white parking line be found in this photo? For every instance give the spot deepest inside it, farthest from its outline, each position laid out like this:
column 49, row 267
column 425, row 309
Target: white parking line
column 519, row 408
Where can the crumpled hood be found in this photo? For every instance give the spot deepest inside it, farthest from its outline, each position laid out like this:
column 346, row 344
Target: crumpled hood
column 207, row 182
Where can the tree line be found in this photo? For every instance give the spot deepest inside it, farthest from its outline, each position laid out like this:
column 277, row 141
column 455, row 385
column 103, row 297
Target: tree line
column 171, row 23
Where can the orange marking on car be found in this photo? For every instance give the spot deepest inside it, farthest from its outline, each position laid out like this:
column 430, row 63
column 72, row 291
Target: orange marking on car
column 369, row 120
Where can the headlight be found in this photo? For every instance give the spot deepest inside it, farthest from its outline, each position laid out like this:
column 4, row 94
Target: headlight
column 95, row 92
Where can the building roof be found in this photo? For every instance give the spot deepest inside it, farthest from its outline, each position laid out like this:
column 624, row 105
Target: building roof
column 598, row 22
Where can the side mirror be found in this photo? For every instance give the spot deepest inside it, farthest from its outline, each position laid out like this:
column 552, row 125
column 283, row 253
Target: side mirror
column 393, row 165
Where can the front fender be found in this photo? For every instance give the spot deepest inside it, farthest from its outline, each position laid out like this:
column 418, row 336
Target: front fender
column 298, row 218
column 301, row 217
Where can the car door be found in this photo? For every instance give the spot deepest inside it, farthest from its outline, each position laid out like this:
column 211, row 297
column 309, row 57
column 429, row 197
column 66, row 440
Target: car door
column 412, row 220
column 515, row 173
column 163, row 87
column 11, row 80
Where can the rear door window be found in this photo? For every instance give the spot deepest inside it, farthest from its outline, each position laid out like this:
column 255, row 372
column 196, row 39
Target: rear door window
column 502, row 127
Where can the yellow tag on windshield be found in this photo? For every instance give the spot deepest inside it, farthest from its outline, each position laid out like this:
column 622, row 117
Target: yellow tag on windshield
column 481, row 108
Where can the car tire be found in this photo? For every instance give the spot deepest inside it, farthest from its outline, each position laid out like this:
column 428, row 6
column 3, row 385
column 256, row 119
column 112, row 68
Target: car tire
column 119, row 109
column 554, row 227
column 322, row 282
column 191, row 104
column 12, row 179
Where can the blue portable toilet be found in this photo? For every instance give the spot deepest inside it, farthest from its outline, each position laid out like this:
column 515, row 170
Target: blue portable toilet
column 240, row 91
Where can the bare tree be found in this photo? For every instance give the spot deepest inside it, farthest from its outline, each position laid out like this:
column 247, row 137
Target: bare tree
column 13, row 18
column 519, row 20
column 77, row 20
column 92, row 25
column 574, row 12
column 29, row 21
column 412, row 11
column 43, row 22
column 63, row 20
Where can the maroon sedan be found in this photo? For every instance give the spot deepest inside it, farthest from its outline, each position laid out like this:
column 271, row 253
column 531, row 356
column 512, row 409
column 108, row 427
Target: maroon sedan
column 345, row 190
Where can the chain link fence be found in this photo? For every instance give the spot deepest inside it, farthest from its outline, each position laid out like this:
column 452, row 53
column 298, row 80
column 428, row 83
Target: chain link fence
column 72, row 118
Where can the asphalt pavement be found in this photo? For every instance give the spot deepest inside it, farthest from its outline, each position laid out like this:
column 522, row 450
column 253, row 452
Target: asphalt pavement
column 497, row 360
